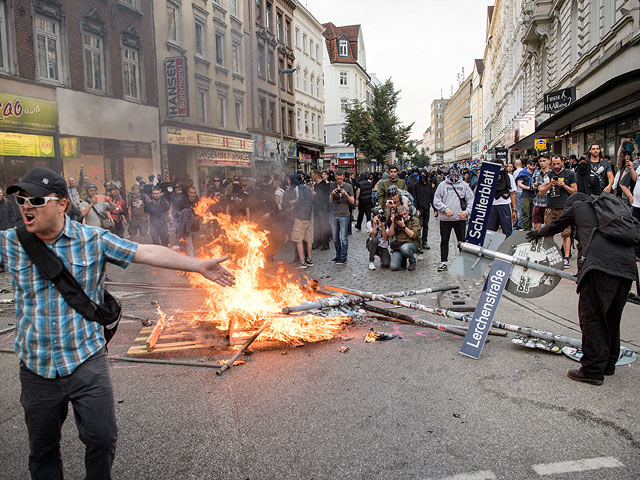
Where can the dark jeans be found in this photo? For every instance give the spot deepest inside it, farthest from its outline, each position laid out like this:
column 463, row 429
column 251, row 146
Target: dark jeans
column 459, row 227
column 375, row 249
column 46, row 404
column 118, row 229
column 500, row 215
column 159, row 234
column 363, row 209
column 602, row 299
column 406, row 252
column 424, row 223
column 636, row 214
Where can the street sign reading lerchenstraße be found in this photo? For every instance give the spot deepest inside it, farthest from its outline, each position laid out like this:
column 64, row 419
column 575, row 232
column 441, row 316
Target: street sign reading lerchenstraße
column 554, row 101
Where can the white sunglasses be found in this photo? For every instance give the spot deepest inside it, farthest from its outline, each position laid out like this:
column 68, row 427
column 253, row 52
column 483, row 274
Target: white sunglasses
column 34, row 201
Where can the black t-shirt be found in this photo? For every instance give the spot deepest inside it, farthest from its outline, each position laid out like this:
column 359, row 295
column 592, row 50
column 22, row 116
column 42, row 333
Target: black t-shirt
column 558, row 195
column 601, row 168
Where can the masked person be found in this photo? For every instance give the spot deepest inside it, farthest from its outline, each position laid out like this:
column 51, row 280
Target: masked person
column 423, row 191
column 62, row 354
column 453, row 201
column 606, row 270
column 503, row 214
column 587, row 180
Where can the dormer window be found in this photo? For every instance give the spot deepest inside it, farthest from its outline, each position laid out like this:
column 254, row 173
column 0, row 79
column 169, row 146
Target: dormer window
column 343, row 49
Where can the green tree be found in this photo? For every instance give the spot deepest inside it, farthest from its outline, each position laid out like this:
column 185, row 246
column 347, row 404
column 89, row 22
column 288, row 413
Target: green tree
column 359, row 131
column 421, row 159
column 389, row 133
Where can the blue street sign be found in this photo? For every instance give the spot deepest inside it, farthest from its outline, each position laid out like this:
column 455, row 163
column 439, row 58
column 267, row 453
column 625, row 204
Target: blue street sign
column 486, row 309
column 482, row 203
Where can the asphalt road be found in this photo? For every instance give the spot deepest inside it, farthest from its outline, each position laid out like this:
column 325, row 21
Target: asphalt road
column 411, row 407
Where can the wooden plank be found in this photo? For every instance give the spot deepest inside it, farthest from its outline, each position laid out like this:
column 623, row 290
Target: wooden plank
column 165, row 336
column 141, row 350
column 153, row 336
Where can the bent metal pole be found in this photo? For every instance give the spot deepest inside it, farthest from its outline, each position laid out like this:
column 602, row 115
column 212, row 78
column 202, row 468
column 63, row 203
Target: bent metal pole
column 443, row 312
column 523, row 262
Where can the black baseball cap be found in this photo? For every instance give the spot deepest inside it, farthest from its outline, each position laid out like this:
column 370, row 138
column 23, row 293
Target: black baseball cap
column 39, row 182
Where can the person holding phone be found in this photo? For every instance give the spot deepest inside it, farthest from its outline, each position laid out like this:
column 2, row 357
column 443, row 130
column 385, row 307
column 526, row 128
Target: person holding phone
column 95, row 208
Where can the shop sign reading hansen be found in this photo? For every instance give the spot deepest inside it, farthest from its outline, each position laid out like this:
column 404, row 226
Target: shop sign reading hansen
column 554, row 101
column 175, row 72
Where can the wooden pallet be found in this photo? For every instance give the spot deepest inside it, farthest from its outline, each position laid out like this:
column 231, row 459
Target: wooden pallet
column 151, row 341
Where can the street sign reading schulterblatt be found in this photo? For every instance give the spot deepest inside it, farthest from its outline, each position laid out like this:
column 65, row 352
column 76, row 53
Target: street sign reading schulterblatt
column 500, row 270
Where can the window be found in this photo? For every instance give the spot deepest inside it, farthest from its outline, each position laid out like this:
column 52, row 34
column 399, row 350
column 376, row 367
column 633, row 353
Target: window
column 271, row 122
column 238, row 108
column 438, row 105
column 48, row 48
column 343, row 49
column 313, row 124
column 131, row 71
column 234, row 8
column 318, row 53
column 271, row 63
column 134, row 4
column 318, row 87
column 219, row 48
column 298, row 116
column 203, row 105
column 304, row 82
column 200, row 36
column 344, row 104
column 259, row 11
column 261, row 60
column 311, row 49
column 304, row 42
column 311, row 82
column 267, row 16
column 438, row 115
column 343, row 78
column 297, row 37
column 279, row 27
column 306, row 122
column 93, row 62
column 235, row 57
column 290, row 80
column 222, row 111
column 287, row 33
column 298, row 78
column 342, row 133
column 440, row 125
column 290, row 123
column 319, row 125
column 262, row 112
column 173, row 18
column 4, row 38
column 325, row 136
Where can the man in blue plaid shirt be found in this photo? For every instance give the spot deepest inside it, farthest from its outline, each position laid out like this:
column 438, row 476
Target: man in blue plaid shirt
column 62, row 355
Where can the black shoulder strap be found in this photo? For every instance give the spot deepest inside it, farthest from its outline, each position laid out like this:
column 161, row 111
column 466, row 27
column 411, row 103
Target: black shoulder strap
column 52, row 268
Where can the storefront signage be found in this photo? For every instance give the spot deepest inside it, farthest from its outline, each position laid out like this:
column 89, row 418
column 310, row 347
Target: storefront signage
column 25, row 113
column 329, row 156
column 501, row 153
column 69, row 147
column 346, row 161
column 346, row 155
column 554, row 101
column 22, row 145
column 208, row 156
column 183, row 136
column 305, row 158
column 175, row 72
column 541, row 144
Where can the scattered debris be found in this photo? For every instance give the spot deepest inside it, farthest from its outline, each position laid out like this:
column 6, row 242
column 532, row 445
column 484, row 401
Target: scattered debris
column 343, row 349
column 456, row 415
column 373, row 336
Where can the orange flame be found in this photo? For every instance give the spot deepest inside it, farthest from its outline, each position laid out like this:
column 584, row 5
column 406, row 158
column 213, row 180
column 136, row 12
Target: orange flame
column 257, row 296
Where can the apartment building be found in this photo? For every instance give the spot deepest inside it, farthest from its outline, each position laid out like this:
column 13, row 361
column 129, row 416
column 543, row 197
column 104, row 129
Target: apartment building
column 457, row 125
column 202, row 83
column 78, row 89
column 309, row 91
column 436, row 144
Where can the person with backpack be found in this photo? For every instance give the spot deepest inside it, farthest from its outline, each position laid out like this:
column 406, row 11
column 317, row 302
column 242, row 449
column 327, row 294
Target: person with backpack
column 364, row 200
column 503, row 213
column 606, row 270
column 588, row 181
column 563, row 183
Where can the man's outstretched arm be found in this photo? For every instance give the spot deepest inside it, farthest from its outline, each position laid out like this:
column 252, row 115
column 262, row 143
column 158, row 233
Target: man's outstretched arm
column 163, row 257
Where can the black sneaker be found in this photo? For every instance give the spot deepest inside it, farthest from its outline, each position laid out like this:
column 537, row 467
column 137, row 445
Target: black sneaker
column 608, row 371
column 309, row 262
column 341, row 262
column 579, row 376
column 334, row 260
column 442, row 267
column 302, row 266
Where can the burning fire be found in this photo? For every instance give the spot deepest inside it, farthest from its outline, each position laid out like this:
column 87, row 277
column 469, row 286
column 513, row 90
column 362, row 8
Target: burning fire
column 257, row 296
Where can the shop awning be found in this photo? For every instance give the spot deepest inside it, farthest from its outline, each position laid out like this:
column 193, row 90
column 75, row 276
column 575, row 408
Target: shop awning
column 615, row 97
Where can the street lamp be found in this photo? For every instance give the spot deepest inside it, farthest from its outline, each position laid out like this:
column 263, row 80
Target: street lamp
column 282, row 71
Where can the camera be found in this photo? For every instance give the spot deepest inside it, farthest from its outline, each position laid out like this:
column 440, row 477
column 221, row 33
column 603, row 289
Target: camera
column 382, row 219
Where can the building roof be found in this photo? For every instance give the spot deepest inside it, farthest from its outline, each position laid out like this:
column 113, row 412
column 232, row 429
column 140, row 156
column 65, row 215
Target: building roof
column 332, row 34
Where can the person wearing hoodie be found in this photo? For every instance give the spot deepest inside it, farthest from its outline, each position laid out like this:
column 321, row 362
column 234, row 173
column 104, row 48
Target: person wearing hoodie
column 451, row 195
column 423, row 192
column 384, row 185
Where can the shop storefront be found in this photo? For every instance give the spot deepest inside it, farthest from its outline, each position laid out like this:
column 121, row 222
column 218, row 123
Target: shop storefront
column 198, row 155
column 267, row 159
column 347, row 162
column 309, row 157
column 28, row 136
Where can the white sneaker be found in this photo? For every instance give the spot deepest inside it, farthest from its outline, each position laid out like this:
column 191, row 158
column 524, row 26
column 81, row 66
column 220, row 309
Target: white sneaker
column 372, row 266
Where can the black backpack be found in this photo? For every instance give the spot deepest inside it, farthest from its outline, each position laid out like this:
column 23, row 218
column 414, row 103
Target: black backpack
column 504, row 184
column 615, row 220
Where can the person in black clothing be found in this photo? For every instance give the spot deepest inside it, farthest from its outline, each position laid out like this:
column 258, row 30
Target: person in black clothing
column 423, row 192
column 159, row 216
column 587, row 180
column 147, row 188
column 321, row 222
column 167, row 188
column 9, row 214
column 606, row 270
column 188, row 222
column 364, row 202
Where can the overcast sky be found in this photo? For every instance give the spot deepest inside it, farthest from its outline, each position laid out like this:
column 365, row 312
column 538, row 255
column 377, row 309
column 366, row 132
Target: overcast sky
column 420, row 44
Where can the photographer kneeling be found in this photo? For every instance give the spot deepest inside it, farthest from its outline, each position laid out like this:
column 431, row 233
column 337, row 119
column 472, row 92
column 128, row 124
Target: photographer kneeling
column 406, row 230
column 378, row 239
